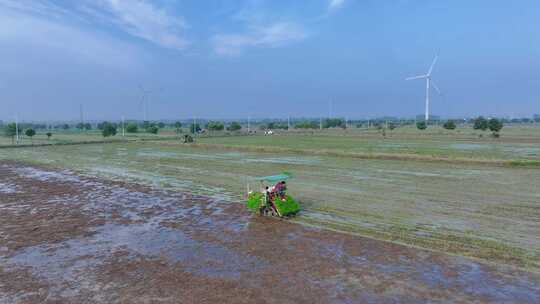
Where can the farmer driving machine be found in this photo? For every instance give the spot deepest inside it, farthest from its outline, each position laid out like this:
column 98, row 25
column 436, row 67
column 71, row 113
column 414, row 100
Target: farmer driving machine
column 272, row 199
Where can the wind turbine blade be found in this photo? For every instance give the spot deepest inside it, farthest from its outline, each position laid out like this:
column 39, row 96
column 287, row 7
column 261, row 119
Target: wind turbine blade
column 435, row 87
column 417, row 77
column 433, row 64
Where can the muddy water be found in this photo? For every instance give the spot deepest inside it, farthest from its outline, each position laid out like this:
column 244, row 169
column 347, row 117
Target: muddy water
column 67, row 238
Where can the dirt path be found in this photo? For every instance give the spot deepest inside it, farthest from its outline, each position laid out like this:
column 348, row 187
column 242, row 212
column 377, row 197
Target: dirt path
column 71, row 239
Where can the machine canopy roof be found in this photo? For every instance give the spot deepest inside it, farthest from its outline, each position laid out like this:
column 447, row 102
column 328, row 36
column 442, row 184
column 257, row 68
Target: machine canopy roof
column 273, row 178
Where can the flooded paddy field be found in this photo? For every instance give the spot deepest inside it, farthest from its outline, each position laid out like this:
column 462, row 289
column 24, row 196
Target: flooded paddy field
column 490, row 213
column 69, row 237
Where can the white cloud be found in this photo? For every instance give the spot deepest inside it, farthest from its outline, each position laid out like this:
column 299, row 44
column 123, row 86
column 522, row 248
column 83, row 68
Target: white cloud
column 141, row 19
column 138, row 18
column 274, row 35
column 37, row 7
column 27, row 26
column 42, row 35
column 335, row 4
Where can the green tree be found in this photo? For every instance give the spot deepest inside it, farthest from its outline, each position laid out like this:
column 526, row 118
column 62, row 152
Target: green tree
column 30, row 133
column 333, row 123
column 153, row 129
column 449, row 125
column 421, row 125
column 274, row 126
column 65, row 126
column 10, row 130
column 109, row 129
column 495, row 126
column 88, row 126
column 132, row 128
column 215, row 126
column 234, row 126
column 480, row 123
column 49, row 134
column 161, row 125
column 307, row 125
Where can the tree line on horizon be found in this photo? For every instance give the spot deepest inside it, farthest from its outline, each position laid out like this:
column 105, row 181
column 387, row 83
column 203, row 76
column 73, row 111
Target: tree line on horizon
column 111, row 128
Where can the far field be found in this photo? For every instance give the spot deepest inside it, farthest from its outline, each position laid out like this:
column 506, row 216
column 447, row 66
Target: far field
column 71, row 136
column 485, row 211
column 519, row 142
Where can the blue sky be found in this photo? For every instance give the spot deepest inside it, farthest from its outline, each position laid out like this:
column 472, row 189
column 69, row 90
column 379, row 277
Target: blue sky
column 238, row 58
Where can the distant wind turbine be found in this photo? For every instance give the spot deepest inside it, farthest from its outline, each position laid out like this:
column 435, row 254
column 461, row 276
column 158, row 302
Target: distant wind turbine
column 144, row 101
column 429, row 82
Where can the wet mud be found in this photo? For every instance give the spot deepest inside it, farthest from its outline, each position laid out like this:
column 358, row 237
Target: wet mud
column 71, row 239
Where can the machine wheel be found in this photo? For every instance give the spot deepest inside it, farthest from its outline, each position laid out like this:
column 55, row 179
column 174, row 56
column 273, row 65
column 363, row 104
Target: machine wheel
column 269, row 211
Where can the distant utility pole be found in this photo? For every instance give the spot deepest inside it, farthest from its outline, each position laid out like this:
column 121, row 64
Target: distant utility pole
column 320, row 123
column 123, row 127
column 288, row 123
column 249, row 118
column 82, row 117
column 17, row 128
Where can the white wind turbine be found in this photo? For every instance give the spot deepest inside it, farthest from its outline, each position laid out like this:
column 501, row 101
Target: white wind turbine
column 144, row 101
column 429, row 82
column 145, row 96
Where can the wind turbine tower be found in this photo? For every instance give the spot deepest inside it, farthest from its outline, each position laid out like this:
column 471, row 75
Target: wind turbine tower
column 144, row 101
column 429, row 83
